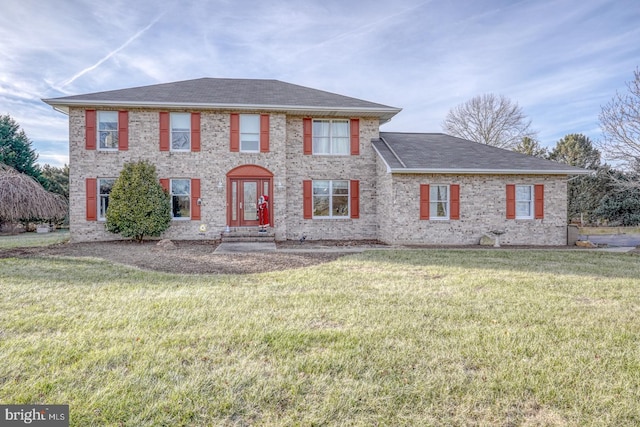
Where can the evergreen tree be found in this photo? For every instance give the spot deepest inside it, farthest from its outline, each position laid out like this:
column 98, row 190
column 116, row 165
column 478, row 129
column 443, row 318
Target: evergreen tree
column 531, row 147
column 138, row 206
column 56, row 180
column 584, row 193
column 621, row 204
column 15, row 148
column 576, row 150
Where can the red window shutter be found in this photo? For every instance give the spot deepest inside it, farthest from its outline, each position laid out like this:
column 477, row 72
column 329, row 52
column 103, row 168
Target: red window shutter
column 123, row 130
column 539, row 201
column 307, row 199
column 424, row 201
column 164, row 182
column 307, row 141
column 454, row 194
column 264, row 133
column 195, row 195
column 92, row 202
column 355, row 198
column 164, row 131
column 355, row 137
column 234, row 144
column 195, row 131
column 511, row 201
column 90, row 129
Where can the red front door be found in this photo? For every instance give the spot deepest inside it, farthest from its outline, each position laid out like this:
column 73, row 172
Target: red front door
column 243, row 203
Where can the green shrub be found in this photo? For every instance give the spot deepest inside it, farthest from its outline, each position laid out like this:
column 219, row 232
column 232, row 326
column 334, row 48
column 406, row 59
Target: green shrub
column 138, row 206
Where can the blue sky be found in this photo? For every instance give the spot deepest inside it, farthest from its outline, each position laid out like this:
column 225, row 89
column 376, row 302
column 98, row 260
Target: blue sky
column 559, row 60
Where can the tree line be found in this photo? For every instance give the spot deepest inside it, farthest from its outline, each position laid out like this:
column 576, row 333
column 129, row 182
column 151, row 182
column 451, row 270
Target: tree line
column 611, row 194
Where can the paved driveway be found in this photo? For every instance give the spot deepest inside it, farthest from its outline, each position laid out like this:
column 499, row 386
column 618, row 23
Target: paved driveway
column 613, row 239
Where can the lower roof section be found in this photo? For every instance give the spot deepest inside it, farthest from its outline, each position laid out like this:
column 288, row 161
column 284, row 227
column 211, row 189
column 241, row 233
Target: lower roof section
column 446, row 154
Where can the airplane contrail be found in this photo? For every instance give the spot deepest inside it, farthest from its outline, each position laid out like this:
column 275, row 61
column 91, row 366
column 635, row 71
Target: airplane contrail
column 110, row 54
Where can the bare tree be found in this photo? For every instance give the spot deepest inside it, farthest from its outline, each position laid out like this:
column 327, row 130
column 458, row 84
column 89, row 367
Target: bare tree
column 620, row 123
column 489, row 119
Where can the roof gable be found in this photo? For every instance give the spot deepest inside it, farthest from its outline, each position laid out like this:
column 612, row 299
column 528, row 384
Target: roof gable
column 441, row 153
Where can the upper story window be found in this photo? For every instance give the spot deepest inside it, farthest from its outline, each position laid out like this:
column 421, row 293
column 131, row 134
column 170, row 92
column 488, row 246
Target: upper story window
column 439, row 202
column 524, row 201
column 180, row 131
column 331, row 137
column 181, row 198
column 331, row 199
column 104, row 189
column 108, row 130
column 250, row 133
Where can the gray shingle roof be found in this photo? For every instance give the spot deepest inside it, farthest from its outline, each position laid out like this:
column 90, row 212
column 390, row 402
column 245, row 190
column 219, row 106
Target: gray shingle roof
column 441, row 153
column 230, row 93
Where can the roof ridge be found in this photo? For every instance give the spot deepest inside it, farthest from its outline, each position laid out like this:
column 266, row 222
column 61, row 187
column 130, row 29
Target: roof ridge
column 393, row 151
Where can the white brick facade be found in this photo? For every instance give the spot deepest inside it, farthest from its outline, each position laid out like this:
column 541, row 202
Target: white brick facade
column 482, row 210
column 388, row 203
column 285, row 160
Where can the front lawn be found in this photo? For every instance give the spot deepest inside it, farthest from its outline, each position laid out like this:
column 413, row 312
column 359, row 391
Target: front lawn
column 429, row 337
column 23, row 240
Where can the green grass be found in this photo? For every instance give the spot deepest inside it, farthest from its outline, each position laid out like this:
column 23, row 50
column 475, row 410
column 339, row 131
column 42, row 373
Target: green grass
column 24, row 240
column 431, row 337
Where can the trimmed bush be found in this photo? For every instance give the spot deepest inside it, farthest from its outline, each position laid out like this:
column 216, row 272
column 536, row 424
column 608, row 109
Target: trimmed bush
column 138, row 206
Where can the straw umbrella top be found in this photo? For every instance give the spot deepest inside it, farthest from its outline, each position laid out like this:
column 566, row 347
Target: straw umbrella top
column 22, row 197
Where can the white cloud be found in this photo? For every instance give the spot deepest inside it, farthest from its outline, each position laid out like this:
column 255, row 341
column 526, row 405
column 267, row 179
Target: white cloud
column 559, row 60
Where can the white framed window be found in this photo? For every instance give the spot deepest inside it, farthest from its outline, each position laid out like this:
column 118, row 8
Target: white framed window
column 331, row 137
column 524, row 201
column 439, row 202
column 181, row 198
column 104, row 189
column 180, row 132
column 108, row 130
column 331, row 199
column 250, row 133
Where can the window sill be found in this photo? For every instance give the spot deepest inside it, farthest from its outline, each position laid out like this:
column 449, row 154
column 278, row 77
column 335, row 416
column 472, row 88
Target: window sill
column 331, row 155
column 328, row 218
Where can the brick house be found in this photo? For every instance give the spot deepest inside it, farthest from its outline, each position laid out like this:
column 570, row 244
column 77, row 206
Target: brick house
column 219, row 144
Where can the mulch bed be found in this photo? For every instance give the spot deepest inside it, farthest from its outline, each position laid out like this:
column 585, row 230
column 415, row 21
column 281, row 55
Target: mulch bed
column 197, row 257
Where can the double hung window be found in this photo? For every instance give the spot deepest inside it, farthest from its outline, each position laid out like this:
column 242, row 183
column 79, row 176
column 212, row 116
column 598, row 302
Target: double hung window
column 104, row 189
column 250, row 133
column 331, row 137
column 331, row 199
column 108, row 130
column 180, row 131
column 524, row 201
column 439, row 202
column 181, row 198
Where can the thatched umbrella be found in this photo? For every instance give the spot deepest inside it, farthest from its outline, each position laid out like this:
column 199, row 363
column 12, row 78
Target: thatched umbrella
column 23, row 198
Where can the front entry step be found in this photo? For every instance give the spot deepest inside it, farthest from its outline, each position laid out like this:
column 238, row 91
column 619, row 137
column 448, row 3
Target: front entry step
column 249, row 235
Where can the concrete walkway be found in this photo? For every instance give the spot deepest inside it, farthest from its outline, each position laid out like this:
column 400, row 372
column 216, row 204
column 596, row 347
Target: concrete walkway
column 244, row 247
